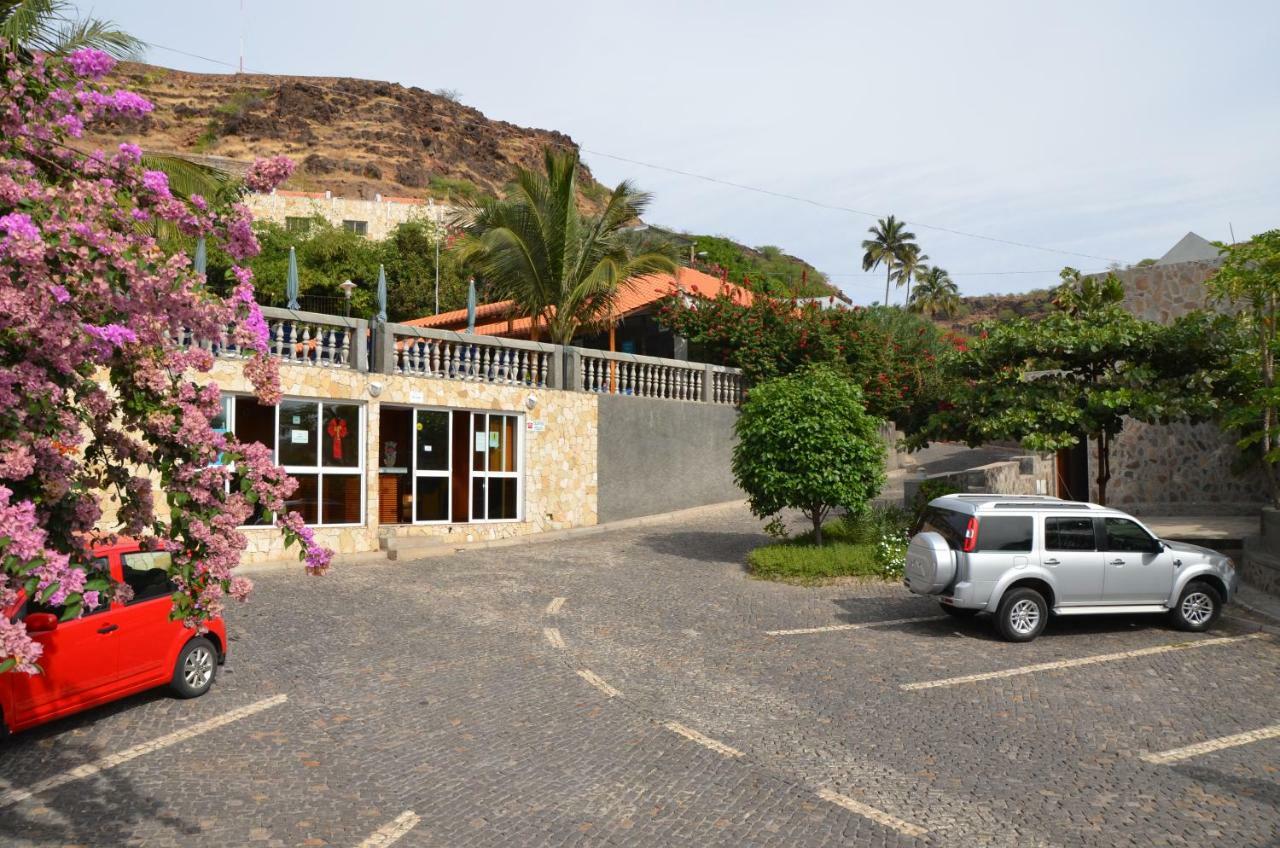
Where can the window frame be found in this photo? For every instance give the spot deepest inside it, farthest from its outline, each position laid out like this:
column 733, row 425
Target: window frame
column 355, row 225
column 319, row 470
column 446, row 474
column 486, row 474
column 986, row 520
column 1093, row 533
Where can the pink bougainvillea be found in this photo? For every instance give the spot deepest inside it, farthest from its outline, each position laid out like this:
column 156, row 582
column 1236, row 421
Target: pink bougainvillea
column 97, row 401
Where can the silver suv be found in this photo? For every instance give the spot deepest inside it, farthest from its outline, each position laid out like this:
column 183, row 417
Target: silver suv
column 1024, row 557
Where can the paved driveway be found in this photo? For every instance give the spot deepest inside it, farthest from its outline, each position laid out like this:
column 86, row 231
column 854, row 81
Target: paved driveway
column 637, row 689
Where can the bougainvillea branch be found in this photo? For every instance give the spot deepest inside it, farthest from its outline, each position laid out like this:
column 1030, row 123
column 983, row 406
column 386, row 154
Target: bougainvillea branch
column 100, row 391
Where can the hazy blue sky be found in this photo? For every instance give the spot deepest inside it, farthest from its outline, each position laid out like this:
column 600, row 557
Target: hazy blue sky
column 1104, row 128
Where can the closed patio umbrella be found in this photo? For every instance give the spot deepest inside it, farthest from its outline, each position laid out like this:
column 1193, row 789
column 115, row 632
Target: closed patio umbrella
column 291, row 282
column 382, row 293
column 202, row 257
column 471, row 305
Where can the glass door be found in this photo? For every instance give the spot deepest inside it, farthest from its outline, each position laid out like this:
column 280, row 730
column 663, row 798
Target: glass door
column 495, row 467
column 431, row 490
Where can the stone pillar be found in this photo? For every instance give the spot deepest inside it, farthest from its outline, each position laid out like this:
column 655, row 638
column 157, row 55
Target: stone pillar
column 554, row 365
column 384, row 350
column 360, row 345
column 707, row 375
column 571, row 370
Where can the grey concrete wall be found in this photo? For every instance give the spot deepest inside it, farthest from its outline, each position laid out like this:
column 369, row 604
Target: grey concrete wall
column 661, row 455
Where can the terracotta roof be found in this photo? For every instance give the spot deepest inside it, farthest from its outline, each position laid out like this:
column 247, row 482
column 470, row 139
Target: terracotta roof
column 642, row 293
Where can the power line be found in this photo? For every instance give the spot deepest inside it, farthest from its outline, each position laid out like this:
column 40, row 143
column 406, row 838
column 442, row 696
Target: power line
column 690, row 174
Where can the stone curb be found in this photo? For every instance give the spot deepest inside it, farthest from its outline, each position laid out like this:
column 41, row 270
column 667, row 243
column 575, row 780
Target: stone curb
column 445, row 549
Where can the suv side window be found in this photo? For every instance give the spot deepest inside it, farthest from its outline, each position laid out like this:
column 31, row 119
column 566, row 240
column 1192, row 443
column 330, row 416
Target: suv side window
column 1125, row 536
column 947, row 523
column 147, row 573
column 1069, row 534
column 1006, row 533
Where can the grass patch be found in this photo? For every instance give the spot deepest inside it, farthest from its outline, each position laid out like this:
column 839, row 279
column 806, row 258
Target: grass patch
column 850, row 548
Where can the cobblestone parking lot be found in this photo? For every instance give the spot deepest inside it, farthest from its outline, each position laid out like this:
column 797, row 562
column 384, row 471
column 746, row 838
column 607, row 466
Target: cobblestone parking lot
column 637, row 688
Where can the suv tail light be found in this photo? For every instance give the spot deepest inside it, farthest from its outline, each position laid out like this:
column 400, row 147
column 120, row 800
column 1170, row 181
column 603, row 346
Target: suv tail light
column 970, row 535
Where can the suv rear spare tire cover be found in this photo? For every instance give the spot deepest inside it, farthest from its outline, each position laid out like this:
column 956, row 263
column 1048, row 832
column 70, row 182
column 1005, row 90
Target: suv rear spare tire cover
column 931, row 564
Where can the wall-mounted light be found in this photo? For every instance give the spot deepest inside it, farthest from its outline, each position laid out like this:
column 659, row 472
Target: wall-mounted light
column 375, row 389
column 531, row 401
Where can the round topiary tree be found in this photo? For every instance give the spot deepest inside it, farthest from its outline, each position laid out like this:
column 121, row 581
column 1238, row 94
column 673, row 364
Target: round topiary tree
column 806, row 442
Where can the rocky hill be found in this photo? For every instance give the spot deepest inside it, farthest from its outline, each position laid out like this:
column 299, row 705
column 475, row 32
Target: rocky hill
column 353, row 137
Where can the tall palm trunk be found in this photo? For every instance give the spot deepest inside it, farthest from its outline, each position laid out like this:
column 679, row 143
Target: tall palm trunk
column 888, row 269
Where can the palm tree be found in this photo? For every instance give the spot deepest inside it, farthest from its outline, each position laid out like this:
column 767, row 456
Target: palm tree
column 885, row 248
column 910, row 265
column 935, row 292
column 561, row 268
column 51, row 26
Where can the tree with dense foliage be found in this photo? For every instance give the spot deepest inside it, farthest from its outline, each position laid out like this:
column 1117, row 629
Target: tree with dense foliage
column 98, row 399
column 1079, row 372
column 51, row 27
column 327, row 255
column 910, row 266
column 887, row 246
column 1249, row 280
column 806, row 442
column 536, row 248
column 766, row 269
column 936, row 293
column 893, row 355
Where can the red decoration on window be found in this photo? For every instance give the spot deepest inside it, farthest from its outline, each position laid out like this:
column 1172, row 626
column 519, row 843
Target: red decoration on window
column 337, row 430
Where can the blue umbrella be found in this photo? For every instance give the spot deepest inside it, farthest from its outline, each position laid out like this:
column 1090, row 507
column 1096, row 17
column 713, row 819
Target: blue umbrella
column 471, row 305
column 291, row 283
column 202, row 257
column 382, row 293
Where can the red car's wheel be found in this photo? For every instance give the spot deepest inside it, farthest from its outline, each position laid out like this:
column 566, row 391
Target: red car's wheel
column 196, row 668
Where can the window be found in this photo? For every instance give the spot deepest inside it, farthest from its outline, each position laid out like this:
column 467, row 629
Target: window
column 297, row 225
column 320, row 445
column 947, row 523
column 495, row 468
column 100, row 564
column 1126, row 536
column 360, row 228
column 431, row 465
column 147, row 573
column 1005, row 533
column 1069, row 534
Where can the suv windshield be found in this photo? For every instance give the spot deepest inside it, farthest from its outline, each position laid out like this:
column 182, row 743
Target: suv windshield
column 947, row 523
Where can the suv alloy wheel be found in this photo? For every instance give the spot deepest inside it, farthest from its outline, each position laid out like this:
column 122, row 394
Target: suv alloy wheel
column 1022, row 615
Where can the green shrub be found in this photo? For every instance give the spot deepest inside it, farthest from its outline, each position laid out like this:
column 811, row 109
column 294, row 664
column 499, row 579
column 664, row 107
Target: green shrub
column 806, row 442
column 867, row 544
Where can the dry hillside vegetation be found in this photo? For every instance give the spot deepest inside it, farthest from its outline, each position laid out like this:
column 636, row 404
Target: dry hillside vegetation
column 353, row 137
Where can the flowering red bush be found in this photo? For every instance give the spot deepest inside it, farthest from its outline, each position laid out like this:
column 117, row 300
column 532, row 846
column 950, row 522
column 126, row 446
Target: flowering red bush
column 891, row 354
column 96, row 395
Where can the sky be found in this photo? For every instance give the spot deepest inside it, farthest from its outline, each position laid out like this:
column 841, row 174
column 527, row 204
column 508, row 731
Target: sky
column 1085, row 132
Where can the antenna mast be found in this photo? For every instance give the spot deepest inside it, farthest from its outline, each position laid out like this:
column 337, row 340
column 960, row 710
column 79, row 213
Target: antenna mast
column 242, row 36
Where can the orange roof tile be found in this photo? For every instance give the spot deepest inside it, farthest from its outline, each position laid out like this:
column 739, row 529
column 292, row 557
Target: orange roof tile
column 642, row 292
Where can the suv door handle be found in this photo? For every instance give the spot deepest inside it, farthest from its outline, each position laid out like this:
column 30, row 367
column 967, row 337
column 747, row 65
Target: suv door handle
column 1051, row 562
column 110, row 628
column 1117, row 562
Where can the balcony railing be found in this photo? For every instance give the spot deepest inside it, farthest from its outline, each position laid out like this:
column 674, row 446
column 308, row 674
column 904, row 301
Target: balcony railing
column 330, row 341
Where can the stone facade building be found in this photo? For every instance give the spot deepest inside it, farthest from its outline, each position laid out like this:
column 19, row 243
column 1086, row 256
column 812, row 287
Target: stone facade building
column 1178, row 468
column 373, row 218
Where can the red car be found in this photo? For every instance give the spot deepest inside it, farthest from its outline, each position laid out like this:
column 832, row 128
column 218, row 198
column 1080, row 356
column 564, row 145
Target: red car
column 113, row 651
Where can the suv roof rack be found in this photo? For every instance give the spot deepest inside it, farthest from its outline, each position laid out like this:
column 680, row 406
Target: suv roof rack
column 1051, row 505
column 991, row 496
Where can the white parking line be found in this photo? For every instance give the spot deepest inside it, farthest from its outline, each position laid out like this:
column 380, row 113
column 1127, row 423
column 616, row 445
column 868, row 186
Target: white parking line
column 878, row 816
column 705, row 741
column 554, row 606
column 1211, row 745
column 594, row 679
column 15, row 796
column 1075, row 663
column 553, row 636
column 392, row 830
column 832, row 628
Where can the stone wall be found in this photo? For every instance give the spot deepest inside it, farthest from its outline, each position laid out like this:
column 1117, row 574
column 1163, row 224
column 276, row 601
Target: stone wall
column 1024, row 475
column 559, row 459
column 382, row 214
column 1179, row 468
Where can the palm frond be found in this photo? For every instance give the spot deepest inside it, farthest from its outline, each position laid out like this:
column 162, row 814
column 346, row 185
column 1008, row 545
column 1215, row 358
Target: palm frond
column 92, row 32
